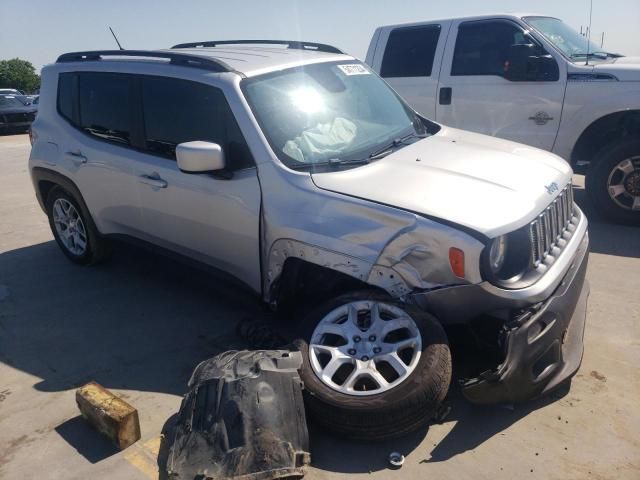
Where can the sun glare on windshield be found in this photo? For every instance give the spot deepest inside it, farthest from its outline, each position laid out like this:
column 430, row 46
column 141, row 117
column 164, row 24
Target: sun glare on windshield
column 307, row 100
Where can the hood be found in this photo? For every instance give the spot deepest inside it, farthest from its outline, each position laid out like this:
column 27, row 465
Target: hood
column 625, row 69
column 483, row 183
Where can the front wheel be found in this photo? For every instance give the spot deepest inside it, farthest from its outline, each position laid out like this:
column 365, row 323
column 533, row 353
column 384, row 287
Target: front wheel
column 613, row 182
column 373, row 369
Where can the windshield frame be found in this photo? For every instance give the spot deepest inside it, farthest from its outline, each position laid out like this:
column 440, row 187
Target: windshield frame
column 428, row 126
column 547, row 40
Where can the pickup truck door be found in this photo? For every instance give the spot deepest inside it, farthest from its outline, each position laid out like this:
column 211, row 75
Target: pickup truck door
column 410, row 62
column 474, row 92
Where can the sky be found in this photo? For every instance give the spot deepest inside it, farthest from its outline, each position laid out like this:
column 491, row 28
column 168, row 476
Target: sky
column 40, row 30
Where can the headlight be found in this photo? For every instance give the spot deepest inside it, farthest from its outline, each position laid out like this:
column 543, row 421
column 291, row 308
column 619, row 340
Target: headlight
column 507, row 260
column 498, row 253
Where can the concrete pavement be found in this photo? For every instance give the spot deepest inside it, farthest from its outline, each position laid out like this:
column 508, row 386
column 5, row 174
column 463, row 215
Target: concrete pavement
column 140, row 323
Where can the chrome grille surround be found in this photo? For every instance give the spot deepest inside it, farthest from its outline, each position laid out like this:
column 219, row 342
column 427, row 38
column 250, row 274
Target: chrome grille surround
column 549, row 232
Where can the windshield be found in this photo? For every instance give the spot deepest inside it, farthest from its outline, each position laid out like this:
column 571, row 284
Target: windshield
column 329, row 113
column 566, row 39
column 10, row 102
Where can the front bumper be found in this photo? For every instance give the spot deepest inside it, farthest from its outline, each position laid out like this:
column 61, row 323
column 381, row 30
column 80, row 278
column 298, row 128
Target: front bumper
column 544, row 346
column 542, row 339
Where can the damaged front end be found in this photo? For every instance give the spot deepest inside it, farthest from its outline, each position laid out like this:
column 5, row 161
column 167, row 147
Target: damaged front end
column 243, row 418
column 529, row 350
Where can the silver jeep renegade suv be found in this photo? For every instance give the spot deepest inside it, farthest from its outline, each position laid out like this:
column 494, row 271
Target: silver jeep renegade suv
column 297, row 170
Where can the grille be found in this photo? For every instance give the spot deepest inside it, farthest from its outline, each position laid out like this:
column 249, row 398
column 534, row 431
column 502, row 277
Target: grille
column 546, row 230
column 18, row 117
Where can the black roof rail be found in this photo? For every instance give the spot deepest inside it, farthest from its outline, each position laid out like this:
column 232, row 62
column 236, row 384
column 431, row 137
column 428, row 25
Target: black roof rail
column 296, row 44
column 182, row 59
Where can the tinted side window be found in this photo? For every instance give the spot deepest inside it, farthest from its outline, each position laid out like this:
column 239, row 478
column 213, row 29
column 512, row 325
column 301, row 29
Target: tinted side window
column 177, row 111
column 410, row 52
column 68, row 96
column 482, row 48
column 105, row 106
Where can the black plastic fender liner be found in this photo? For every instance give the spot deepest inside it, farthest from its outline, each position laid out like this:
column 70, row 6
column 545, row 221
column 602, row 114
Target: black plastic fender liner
column 243, row 418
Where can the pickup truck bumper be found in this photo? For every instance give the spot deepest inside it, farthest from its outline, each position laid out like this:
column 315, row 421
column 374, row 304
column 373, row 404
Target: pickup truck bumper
column 542, row 343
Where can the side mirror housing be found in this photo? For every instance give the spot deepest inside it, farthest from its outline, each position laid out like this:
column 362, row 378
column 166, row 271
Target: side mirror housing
column 200, row 157
column 530, row 63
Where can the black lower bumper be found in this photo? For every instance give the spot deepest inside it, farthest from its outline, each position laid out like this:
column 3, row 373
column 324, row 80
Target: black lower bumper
column 544, row 347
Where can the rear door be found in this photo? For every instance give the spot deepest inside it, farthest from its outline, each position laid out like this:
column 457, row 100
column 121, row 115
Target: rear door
column 98, row 152
column 473, row 93
column 410, row 62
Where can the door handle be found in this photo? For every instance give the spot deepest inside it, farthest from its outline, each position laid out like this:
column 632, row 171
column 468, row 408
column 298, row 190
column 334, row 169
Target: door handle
column 153, row 181
column 445, row 96
column 77, row 157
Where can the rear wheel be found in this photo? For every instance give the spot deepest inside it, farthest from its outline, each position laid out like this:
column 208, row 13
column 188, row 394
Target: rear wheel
column 373, row 369
column 73, row 229
column 613, row 182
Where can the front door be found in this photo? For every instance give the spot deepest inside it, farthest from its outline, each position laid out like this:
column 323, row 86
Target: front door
column 475, row 94
column 214, row 219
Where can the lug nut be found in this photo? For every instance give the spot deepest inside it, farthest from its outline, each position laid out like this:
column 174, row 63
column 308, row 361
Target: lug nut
column 351, row 351
column 364, row 358
column 377, row 350
column 356, row 339
column 372, row 338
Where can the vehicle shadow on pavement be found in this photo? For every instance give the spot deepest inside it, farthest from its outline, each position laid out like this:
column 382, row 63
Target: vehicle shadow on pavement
column 142, row 322
column 608, row 238
column 475, row 424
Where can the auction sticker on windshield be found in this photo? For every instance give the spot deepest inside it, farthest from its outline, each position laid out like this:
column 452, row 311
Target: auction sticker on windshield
column 354, row 69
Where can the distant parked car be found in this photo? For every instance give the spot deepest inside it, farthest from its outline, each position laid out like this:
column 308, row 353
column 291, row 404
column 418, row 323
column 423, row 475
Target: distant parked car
column 10, row 91
column 14, row 114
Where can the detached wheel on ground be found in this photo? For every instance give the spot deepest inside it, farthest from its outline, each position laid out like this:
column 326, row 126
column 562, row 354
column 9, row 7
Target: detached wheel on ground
column 373, row 369
column 613, row 182
column 74, row 229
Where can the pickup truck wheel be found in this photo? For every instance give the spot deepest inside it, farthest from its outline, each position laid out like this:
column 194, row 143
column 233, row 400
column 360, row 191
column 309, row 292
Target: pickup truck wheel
column 373, row 369
column 74, row 229
column 613, row 182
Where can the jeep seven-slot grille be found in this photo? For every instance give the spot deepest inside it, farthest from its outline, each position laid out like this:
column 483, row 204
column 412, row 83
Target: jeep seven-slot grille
column 546, row 230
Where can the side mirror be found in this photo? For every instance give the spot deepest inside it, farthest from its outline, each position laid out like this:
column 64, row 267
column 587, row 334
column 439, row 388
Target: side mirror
column 200, row 157
column 530, row 63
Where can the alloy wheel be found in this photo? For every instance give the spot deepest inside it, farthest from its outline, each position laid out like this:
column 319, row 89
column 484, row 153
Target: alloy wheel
column 623, row 184
column 69, row 226
column 365, row 348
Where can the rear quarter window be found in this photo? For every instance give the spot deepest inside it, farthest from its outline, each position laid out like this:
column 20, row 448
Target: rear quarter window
column 410, row 52
column 68, row 97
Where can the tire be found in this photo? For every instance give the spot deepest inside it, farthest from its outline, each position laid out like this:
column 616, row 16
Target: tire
column 96, row 248
column 605, row 171
column 398, row 411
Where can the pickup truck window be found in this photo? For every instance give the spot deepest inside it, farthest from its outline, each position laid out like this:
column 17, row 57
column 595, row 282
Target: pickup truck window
column 482, row 48
column 563, row 37
column 410, row 52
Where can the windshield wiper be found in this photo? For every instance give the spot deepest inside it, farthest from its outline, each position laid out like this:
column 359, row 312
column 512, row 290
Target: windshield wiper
column 592, row 54
column 389, row 147
column 332, row 163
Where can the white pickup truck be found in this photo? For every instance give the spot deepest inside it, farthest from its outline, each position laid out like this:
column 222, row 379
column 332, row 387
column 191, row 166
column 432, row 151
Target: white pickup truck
column 530, row 79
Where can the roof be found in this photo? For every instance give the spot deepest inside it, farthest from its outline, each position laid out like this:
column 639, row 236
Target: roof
column 255, row 60
column 244, row 57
